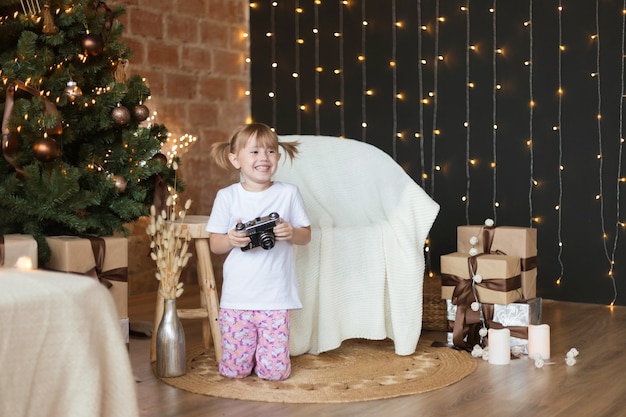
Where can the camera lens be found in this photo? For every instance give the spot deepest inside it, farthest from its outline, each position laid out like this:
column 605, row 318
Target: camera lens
column 266, row 240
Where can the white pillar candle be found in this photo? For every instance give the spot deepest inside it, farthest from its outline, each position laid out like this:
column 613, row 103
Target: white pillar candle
column 539, row 341
column 499, row 346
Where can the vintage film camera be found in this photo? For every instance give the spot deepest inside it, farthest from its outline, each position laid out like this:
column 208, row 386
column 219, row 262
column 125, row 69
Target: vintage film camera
column 260, row 231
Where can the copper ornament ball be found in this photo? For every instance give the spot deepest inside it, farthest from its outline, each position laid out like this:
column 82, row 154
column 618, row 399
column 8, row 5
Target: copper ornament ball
column 92, row 44
column 46, row 149
column 120, row 115
column 160, row 158
column 141, row 112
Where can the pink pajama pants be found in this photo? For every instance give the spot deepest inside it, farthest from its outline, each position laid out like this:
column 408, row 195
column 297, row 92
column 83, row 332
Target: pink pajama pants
column 255, row 340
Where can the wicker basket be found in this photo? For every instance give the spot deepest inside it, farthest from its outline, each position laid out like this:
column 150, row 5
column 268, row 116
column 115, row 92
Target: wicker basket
column 434, row 316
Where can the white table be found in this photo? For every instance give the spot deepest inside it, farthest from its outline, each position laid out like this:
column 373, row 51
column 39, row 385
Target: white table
column 61, row 349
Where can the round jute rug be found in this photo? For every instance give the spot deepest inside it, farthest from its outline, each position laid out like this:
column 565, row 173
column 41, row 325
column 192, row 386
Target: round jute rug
column 359, row 370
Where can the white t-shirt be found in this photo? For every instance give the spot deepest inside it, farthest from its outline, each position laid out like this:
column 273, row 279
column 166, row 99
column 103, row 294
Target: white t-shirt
column 259, row 279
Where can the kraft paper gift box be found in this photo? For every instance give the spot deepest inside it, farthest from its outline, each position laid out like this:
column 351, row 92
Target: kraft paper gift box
column 516, row 316
column 77, row 255
column 502, row 270
column 14, row 246
column 509, row 240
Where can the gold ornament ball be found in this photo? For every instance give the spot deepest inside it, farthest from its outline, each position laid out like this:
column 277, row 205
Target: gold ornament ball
column 92, row 44
column 72, row 91
column 120, row 115
column 46, row 149
column 141, row 112
column 120, row 183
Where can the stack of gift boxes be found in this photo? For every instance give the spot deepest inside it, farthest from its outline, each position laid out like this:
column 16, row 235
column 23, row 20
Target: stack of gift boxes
column 104, row 259
column 491, row 282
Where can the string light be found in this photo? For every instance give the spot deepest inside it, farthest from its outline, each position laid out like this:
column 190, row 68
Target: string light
column 618, row 222
column 394, row 82
column 420, row 86
column 610, row 257
column 318, row 68
column 342, row 83
column 273, row 61
column 494, row 109
column 531, row 106
column 435, row 100
column 299, row 42
column 365, row 91
column 420, row 134
column 560, row 136
column 468, row 161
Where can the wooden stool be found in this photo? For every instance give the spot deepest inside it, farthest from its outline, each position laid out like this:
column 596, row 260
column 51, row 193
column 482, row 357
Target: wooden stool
column 209, row 304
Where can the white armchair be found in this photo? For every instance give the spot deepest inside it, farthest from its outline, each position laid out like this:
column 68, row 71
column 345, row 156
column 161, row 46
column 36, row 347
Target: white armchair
column 361, row 275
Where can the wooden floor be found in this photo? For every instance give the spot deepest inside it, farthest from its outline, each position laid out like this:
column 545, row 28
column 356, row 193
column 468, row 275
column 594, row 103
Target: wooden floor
column 594, row 387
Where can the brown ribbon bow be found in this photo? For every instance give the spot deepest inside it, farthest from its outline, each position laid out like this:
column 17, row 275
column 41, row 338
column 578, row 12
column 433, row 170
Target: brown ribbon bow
column 98, row 246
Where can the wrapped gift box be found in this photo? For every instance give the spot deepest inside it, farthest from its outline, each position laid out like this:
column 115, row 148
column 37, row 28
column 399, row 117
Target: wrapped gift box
column 518, row 314
column 16, row 245
column 104, row 258
column 509, row 240
column 503, row 268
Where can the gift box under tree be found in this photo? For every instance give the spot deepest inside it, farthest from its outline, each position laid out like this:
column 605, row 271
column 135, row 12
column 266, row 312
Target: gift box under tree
column 14, row 246
column 101, row 258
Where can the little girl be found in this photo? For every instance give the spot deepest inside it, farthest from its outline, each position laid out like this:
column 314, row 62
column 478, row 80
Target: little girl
column 260, row 284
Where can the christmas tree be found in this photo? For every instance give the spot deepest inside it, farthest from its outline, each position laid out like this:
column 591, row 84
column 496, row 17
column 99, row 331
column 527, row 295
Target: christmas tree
column 80, row 153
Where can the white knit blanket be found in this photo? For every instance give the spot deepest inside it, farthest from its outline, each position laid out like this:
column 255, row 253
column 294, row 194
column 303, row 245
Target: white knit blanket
column 361, row 275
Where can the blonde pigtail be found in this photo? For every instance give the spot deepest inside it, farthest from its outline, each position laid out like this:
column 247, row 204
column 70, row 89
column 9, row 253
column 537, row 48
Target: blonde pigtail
column 219, row 153
column 291, row 148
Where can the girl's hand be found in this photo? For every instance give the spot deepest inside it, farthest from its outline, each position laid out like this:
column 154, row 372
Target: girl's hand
column 238, row 239
column 283, row 230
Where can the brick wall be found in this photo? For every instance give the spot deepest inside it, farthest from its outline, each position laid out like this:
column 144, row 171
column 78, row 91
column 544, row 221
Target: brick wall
column 192, row 54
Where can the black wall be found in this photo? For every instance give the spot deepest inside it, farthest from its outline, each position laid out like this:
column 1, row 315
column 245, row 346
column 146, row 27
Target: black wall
column 584, row 258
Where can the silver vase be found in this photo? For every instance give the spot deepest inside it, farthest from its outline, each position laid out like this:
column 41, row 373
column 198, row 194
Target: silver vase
column 170, row 343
